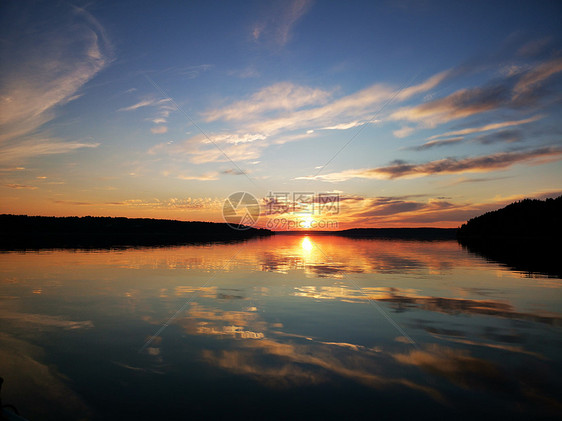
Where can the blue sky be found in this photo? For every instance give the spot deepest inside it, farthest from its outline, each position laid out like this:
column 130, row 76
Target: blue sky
column 415, row 113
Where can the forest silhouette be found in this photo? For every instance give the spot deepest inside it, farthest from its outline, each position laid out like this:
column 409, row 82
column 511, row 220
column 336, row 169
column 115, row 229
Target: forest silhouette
column 29, row 232
column 524, row 235
column 526, row 219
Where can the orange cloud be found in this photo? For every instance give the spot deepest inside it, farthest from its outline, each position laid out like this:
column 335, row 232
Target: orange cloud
column 437, row 143
column 460, row 104
column 534, row 77
column 487, row 127
column 20, row 186
column 486, row 163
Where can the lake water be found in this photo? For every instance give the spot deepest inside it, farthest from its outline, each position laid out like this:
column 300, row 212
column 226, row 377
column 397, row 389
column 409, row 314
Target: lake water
column 286, row 327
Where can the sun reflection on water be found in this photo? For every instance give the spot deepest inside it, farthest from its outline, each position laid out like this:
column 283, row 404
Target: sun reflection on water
column 307, row 245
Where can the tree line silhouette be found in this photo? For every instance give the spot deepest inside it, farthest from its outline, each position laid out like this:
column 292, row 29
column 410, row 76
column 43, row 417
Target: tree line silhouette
column 524, row 235
column 22, row 231
column 529, row 218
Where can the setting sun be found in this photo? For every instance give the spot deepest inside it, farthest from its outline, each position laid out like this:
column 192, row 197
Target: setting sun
column 306, row 222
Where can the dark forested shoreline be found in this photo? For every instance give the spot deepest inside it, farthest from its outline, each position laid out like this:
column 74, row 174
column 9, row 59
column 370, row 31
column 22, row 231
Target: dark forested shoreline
column 29, row 232
column 526, row 219
column 524, row 235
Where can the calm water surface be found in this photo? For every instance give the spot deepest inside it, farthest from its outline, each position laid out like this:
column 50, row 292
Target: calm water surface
column 282, row 327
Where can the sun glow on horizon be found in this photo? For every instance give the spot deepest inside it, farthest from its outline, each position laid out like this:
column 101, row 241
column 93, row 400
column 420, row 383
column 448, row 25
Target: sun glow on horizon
column 306, row 222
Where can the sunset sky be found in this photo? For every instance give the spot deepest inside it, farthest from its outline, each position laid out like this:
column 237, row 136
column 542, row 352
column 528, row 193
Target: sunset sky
column 415, row 113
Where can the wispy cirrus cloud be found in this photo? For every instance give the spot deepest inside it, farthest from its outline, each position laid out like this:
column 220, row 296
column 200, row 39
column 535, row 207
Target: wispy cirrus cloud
column 233, row 171
column 240, row 152
column 461, row 104
column 143, row 103
column 173, row 203
column 283, row 96
column 280, row 113
column 191, row 72
column 436, row 143
column 486, row 138
column 210, row 176
column 46, row 72
column 19, row 151
column 283, row 109
column 357, row 106
column 344, row 126
column 235, row 138
column 463, row 180
column 487, row 163
column 278, row 26
column 199, row 150
column 20, row 186
column 423, row 87
column 286, row 112
column 533, row 78
column 309, row 134
column 517, row 89
column 487, row 127
column 163, row 105
column 164, row 108
column 286, row 107
column 507, row 136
